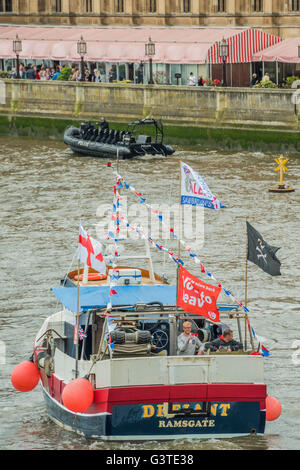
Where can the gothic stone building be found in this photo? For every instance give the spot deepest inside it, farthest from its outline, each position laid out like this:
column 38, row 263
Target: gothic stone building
column 280, row 17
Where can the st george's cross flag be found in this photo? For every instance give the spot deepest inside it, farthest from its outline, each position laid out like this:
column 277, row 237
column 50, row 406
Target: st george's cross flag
column 262, row 254
column 194, row 190
column 90, row 251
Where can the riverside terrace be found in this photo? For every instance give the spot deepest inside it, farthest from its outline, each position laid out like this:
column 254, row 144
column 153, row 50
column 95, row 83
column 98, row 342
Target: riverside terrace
column 230, row 117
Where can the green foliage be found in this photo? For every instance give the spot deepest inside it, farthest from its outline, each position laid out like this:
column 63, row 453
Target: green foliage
column 290, row 80
column 65, row 73
column 4, row 74
column 266, row 84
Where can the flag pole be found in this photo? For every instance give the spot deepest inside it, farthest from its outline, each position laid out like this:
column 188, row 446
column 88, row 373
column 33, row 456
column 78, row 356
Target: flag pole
column 77, row 322
column 179, row 211
column 117, row 160
column 179, row 237
column 247, row 323
column 246, row 285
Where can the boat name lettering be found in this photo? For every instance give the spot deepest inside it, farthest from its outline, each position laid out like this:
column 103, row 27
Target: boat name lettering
column 158, row 410
column 185, row 423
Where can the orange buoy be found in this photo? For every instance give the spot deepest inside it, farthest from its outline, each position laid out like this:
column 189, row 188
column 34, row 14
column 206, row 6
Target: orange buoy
column 91, row 277
column 25, row 376
column 78, row 395
column 273, row 408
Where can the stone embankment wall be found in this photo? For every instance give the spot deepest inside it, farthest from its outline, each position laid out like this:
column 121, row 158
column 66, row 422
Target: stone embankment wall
column 190, row 114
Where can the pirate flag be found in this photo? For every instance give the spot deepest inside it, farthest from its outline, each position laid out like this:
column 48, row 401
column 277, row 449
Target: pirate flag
column 262, row 254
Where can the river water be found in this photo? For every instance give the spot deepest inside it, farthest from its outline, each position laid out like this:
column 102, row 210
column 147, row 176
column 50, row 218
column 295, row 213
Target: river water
column 45, row 190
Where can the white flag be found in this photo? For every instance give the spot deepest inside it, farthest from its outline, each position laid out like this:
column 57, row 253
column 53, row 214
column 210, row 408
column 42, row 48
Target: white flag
column 90, row 251
column 194, row 190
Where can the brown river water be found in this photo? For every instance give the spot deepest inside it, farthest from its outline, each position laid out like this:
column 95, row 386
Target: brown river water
column 45, row 189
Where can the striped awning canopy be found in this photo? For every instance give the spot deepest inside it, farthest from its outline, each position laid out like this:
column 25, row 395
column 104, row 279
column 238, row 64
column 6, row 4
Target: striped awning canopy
column 109, row 44
column 242, row 46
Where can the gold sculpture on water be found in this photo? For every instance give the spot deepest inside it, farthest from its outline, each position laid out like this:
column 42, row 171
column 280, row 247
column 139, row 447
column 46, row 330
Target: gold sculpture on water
column 281, row 161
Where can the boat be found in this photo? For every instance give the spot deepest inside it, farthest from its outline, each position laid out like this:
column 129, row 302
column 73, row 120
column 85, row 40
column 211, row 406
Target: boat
column 88, row 140
column 108, row 363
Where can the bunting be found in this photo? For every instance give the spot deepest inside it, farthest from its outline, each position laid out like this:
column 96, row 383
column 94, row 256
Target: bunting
column 118, row 218
column 121, row 183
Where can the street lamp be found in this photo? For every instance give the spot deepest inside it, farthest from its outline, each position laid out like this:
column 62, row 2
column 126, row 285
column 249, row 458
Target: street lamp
column 223, row 54
column 81, row 49
column 17, row 47
column 150, row 52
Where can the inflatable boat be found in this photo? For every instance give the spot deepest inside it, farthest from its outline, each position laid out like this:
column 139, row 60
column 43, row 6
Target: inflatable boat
column 90, row 141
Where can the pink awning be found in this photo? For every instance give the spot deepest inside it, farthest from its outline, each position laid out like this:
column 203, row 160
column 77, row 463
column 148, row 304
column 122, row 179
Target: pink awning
column 173, row 45
column 286, row 51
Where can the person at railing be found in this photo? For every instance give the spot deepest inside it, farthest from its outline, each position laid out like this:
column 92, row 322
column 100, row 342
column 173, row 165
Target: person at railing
column 200, row 81
column 254, row 80
column 30, row 73
column 224, row 343
column 192, row 80
column 187, row 343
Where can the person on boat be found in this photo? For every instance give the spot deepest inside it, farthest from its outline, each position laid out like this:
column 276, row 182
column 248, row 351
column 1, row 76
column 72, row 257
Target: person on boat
column 187, row 343
column 224, row 342
column 103, row 124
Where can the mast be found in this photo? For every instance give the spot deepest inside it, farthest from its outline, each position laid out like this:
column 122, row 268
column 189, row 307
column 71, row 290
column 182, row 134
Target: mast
column 179, row 210
column 247, row 324
column 77, row 322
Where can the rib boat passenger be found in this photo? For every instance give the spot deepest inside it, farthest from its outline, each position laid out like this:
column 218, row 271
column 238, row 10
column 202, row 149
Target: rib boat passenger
column 104, row 124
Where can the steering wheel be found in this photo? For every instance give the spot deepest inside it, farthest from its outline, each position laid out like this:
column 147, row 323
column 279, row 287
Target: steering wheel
column 160, row 339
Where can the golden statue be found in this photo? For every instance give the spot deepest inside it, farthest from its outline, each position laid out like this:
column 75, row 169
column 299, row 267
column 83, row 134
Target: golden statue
column 281, row 161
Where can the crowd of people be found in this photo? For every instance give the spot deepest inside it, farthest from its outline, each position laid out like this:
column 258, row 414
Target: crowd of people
column 41, row 72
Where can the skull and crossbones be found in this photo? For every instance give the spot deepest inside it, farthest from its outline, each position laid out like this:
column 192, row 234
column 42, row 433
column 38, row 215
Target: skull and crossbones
column 260, row 250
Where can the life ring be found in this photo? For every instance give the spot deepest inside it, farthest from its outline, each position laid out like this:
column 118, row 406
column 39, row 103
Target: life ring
column 91, row 277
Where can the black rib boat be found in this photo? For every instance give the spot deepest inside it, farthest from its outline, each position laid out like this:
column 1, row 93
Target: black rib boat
column 88, row 140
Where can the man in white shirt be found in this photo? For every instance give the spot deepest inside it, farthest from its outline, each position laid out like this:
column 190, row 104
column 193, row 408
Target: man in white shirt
column 187, row 343
column 192, row 80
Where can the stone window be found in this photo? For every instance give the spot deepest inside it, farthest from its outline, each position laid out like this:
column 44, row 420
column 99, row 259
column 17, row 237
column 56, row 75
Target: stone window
column 186, row 6
column 120, row 6
column 58, row 6
column 152, row 6
column 258, row 5
column 6, row 5
column 88, row 6
column 221, row 6
column 295, row 5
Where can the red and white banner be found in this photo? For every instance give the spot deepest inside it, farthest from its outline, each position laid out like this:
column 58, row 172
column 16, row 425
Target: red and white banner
column 195, row 296
column 90, row 251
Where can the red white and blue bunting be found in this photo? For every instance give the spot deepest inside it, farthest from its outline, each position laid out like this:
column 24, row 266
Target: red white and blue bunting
column 121, row 183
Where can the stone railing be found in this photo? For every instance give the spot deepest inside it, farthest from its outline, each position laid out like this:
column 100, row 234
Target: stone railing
column 179, row 106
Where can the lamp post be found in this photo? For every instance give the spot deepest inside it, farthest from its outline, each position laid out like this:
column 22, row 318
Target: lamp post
column 17, row 47
column 223, row 53
column 150, row 52
column 81, row 50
